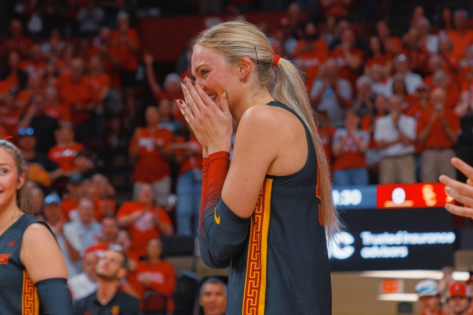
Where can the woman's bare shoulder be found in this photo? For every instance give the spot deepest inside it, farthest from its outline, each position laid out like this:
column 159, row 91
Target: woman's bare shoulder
column 261, row 117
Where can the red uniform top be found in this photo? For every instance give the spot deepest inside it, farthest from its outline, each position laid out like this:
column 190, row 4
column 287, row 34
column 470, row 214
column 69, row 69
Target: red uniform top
column 64, row 155
column 144, row 228
column 162, row 280
column 438, row 138
column 150, row 166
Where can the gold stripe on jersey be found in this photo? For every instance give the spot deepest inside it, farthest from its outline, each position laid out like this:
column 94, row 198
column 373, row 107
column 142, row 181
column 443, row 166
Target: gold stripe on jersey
column 254, row 294
column 29, row 300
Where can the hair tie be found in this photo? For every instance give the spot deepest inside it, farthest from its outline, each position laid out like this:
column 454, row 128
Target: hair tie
column 276, row 58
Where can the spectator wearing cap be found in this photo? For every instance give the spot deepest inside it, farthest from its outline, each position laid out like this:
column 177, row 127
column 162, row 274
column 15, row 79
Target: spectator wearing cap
column 55, row 220
column 411, row 80
column 363, row 103
column 458, row 300
column 86, row 231
column 64, row 152
column 429, row 297
column 36, row 118
column 348, row 148
column 348, row 57
column 76, row 188
column 40, row 169
column 213, row 296
column 461, row 36
column 395, row 135
column 108, row 297
column 331, row 93
column 150, row 153
column 438, row 129
column 85, row 283
column 144, row 220
column 124, row 46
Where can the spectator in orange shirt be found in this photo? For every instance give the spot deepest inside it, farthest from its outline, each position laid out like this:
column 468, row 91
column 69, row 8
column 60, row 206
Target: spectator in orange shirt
column 336, row 8
column 446, row 52
column 377, row 56
column 35, row 62
column 12, row 75
column 150, row 153
column 100, row 191
column 189, row 184
column 10, row 115
column 461, row 37
column 392, row 45
column 348, row 57
column 78, row 94
column 411, row 80
column 17, row 41
column 156, row 275
column 326, row 133
column 35, row 86
column 64, row 152
column 348, row 148
column 108, row 238
column 144, row 220
column 53, row 108
column 124, row 46
column 438, row 130
column 436, row 62
column 443, row 80
column 76, row 188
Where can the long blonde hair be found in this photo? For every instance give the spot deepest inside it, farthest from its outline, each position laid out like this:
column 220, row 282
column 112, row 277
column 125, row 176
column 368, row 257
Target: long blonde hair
column 236, row 40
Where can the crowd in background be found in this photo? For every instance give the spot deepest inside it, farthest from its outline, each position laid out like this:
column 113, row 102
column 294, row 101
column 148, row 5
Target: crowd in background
column 389, row 109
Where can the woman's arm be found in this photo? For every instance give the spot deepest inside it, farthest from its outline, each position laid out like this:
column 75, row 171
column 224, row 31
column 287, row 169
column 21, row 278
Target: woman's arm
column 44, row 263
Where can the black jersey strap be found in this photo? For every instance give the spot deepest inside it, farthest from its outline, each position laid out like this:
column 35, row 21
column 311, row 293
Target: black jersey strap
column 54, row 297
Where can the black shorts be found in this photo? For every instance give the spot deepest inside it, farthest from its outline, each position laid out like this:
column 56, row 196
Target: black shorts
column 127, row 78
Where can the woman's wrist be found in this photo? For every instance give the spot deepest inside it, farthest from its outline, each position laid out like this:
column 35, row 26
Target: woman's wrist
column 205, row 152
column 218, row 148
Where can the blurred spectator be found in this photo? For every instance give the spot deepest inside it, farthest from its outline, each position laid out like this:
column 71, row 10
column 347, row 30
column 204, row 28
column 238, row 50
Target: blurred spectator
column 64, row 152
column 189, row 184
column 13, row 76
column 461, row 37
column 79, row 95
column 155, row 275
column 109, row 235
column 56, row 221
column 331, row 93
column 446, row 20
column 35, row 63
column 428, row 42
column 435, row 63
column 150, row 153
column 379, row 84
column 438, row 129
column 417, row 15
column 124, row 45
column 349, row 146
column 85, row 283
column 395, row 134
column 36, row 118
column 144, row 220
column 40, row 169
column 349, row 58
column 377, row 56
column 411, row 80
column 33, row 88
column 429, row 297
column 53, row 108
column 10, row 115
column 363, row 103
column 311, row 52
column 109, row 298
column 100, row 191
column 37, row 200
column 443, row 80
column 423, row 97
column 286, row 43
column 84, row 164
column 410, row 103
column 17, row 41
column 171, row 89
column 90, row 18
column 336, row 8
column 166, row 119
column 458, row 300
column 328, row 30
column 84, row 232
column 326, row 133
column 392, row 45
column 446, row 52
column 213, row 296
column 123, row 240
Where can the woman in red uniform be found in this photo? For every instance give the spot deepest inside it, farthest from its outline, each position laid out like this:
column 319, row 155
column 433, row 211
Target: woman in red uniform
column 32, row 271
column 266, row 216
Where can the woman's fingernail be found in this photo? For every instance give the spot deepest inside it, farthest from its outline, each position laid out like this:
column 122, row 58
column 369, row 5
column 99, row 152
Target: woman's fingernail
column 448, row 189
column 183, row 87
column 185, row 80
column 193, row 83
